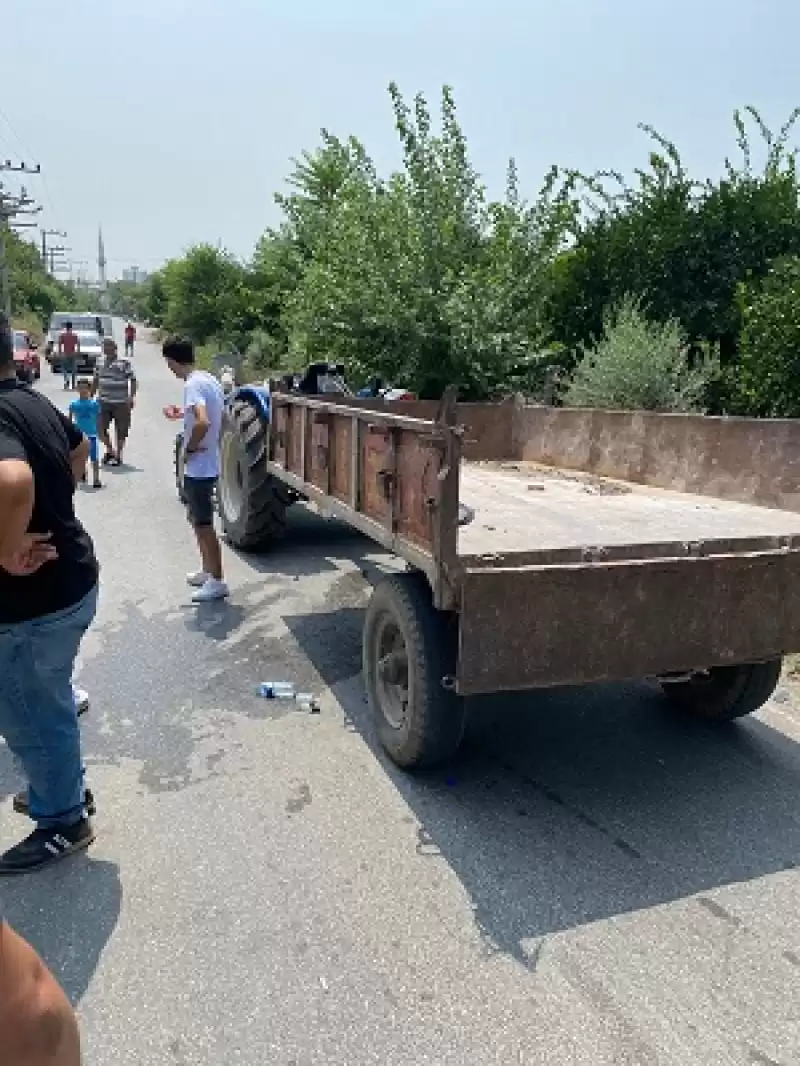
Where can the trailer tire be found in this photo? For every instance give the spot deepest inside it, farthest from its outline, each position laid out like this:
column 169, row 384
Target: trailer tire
column 251, row 502
column 410, row 648
column 725, row 692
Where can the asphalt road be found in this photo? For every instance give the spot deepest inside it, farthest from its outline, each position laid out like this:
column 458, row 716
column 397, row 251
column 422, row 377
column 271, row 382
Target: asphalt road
column 594, row 882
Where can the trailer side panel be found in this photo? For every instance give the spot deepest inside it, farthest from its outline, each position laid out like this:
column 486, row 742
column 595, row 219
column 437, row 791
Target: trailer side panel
column 555, row 625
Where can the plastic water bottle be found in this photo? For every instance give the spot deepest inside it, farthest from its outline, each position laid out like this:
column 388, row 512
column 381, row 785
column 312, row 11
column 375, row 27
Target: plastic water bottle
column 276, row 690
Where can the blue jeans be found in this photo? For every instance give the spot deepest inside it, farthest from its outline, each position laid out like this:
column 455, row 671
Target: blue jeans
column 37, row 708
column 69, row 369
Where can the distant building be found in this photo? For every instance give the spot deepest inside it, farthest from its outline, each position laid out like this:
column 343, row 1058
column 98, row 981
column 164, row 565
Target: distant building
column 135, row 275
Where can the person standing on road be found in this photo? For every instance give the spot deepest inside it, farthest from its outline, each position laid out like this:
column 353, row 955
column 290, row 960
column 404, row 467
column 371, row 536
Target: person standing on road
column 85, row 412
column 69, row 347
column 115, row 387
column 203, row 401
column 48, row 597
column 130, row 337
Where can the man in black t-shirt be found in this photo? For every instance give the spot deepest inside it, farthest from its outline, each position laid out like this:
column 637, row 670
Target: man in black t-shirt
column 48, row 598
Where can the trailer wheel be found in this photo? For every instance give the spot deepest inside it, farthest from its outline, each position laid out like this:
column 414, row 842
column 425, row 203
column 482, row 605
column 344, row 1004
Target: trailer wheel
column 409, row 657
column 252, row 504
column 724, row 693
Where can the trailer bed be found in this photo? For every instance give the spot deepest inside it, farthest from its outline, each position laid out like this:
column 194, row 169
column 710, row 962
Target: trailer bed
column 529, row 508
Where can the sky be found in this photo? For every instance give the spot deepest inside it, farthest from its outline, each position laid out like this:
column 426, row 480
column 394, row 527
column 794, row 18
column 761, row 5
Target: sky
column 171, row 122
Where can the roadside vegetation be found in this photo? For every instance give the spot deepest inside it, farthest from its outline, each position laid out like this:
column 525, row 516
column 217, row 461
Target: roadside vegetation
column 34, row 293
column 666, row 290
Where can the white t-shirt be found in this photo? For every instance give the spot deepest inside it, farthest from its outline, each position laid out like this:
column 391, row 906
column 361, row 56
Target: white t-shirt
column 201, row 387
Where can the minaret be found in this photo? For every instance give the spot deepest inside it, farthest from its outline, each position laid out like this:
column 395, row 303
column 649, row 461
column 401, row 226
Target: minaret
column 101, row 270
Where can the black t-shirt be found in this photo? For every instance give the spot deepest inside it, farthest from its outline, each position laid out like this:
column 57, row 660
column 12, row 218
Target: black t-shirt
column 33, row 430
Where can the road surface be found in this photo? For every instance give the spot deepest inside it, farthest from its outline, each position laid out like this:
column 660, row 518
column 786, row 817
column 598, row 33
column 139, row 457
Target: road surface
column 595, row 882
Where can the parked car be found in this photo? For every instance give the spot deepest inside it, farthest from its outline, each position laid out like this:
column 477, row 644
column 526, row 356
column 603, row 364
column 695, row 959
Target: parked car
column 85, row 325
column 26, row 357
column 91, row 350
column 107, row 325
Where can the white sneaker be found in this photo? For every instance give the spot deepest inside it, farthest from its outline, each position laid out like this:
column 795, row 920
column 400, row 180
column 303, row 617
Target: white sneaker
column 212, row 589
column 197, row 579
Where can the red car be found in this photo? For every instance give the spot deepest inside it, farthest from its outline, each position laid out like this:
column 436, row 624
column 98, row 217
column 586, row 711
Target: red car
column 26, row 358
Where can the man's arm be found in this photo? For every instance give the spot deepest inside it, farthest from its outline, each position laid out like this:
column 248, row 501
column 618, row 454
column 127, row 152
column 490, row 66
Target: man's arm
column 37, row 1024
column 199, row 429
column 134, row 386
column 16, row 503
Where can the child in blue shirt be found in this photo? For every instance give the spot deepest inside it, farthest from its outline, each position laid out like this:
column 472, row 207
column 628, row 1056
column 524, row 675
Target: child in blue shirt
column 84, row 412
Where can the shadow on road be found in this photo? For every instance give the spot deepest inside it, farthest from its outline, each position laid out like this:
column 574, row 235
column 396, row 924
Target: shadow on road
column 310, row 546
column 68, row 914
column 574, row 805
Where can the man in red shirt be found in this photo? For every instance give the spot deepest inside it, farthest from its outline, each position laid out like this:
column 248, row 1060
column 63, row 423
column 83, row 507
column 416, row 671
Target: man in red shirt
column 68, row 349
column 130, row 337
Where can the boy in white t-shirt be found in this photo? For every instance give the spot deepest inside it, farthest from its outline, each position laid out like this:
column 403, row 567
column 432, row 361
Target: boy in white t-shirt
column 203, row 402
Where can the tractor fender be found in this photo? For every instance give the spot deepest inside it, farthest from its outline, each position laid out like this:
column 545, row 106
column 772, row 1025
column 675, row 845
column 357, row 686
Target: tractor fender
column 254, row 394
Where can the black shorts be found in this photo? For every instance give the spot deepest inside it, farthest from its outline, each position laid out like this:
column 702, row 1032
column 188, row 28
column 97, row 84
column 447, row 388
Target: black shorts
column 199, row 495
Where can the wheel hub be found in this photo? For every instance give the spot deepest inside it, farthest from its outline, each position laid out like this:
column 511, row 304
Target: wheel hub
column 392, row 673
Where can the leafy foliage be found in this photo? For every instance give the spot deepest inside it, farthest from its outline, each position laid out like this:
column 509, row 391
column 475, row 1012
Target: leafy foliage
column 684, row 246
column 419, row 277
column 34, row 294
column 639, row 364
column 768, row 380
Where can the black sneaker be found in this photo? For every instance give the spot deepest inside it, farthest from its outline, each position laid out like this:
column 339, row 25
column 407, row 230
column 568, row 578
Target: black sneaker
column 46, row 846
column 21, row 803
column 108, row 458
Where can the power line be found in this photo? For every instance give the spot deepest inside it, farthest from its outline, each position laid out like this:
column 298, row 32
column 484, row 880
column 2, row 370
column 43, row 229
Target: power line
column 12, row 206
column 49, row 233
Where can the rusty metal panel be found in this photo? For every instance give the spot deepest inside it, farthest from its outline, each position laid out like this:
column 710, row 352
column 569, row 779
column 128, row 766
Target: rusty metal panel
column 393, row 476
column 340, row 446
column 279, row 434
column 418, row 460
column 296, row 444
column 318, row 461
column 375, row 459
column 541, row 626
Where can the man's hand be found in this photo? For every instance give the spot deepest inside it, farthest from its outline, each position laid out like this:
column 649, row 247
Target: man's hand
column 132, row 402
column 36, row 550
column 173, row 413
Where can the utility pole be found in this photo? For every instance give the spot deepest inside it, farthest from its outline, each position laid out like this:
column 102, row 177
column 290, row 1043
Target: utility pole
column 10, row 207
column 49, row 233
column 57, row 250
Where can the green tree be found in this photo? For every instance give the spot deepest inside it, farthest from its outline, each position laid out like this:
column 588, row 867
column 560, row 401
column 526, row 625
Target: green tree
column 418, row 277
column 639, row 364
column 684, row 246
column 34, row 294
column 202, row 293
column 768, row 379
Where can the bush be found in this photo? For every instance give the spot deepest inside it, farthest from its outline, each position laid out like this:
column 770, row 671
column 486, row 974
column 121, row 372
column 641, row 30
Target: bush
column 640, row 364
column 768, row 381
